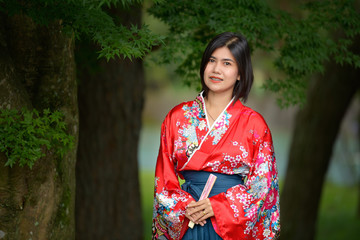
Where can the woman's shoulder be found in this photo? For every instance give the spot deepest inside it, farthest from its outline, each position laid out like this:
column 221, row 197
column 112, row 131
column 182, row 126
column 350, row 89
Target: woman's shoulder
column 255, row 119
column 178, row 111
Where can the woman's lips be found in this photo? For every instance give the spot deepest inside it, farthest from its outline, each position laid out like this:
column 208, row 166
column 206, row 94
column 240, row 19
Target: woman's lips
column 215, row 79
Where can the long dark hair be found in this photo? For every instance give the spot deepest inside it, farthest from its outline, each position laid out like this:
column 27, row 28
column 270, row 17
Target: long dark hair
column 239, row 48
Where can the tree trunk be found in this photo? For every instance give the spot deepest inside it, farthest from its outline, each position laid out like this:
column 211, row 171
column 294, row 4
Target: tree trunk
column 110, row 106
column 37, row 70
column 357, row 172
column 315, row 132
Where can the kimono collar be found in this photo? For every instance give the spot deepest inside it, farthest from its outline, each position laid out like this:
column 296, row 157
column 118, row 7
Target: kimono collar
column 201, row 100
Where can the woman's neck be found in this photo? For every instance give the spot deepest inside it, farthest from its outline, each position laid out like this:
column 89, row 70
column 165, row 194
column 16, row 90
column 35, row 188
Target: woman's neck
column 217, row 101
column 215, row 104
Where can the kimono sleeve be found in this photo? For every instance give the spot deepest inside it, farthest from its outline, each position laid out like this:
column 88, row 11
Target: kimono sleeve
column 169, row 200
column 252, row 210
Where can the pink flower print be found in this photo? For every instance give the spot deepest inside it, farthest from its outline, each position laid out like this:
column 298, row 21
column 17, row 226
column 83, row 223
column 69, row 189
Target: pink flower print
column 178, row 143
column 235, row 143
column 225, row 169
column 260, row 157
column 251, row 212
column 214, row 165
column 249, row 225
column 244, row 199
column 275, row 216
column 262, row 169
column 227, row 158
column 254, row 231
column 242, row 148
column 193, row 112
column 178, row 123
column 219, row 124
column 271, row 199
column 229, row 194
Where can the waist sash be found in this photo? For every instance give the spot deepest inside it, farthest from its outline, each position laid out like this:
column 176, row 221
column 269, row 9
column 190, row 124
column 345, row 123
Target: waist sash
column 194, row 184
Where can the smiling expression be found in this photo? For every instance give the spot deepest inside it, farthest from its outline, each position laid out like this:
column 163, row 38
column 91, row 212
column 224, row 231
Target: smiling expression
column 221, row 72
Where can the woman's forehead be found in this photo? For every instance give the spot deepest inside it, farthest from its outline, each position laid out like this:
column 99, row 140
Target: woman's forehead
column 222, row 53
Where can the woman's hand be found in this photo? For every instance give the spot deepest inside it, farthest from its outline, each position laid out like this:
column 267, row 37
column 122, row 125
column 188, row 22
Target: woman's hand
column 199, row 211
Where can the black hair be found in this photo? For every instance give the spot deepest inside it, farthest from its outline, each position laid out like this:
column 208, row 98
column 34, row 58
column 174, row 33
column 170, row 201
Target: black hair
column 238, row 46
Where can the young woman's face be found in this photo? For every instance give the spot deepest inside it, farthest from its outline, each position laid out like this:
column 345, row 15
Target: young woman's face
column 221, row 72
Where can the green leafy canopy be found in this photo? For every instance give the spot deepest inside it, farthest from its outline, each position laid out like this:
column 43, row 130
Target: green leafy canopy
column 88, row 18
column 25, row 135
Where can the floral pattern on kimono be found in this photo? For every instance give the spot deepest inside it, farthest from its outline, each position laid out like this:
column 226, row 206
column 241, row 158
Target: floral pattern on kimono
column 239, row 142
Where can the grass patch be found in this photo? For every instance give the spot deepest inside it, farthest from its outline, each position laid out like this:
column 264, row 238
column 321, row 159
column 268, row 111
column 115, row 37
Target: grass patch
column 147, row 198
column 337, row 214
column 336, row 220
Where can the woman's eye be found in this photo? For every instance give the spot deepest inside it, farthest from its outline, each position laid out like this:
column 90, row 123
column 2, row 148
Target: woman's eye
column 211, row 60
column 227, row 63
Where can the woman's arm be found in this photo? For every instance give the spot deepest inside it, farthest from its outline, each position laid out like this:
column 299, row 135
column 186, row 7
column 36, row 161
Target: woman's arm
column 169, row 200
column 252, row 209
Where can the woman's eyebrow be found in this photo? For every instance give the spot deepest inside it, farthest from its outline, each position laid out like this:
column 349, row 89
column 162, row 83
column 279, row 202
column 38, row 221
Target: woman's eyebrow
column 224, row 59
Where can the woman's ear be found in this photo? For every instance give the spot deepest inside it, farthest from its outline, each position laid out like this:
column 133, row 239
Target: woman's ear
column 238, row 78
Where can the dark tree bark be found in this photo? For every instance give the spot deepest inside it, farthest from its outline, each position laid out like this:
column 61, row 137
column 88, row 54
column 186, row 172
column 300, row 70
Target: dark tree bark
column 37, row 70
column 316, row 129
column 110, row 105
column 358, row 177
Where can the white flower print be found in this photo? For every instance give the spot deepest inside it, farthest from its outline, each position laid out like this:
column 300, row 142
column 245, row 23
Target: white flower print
column 220, row 127
column 225, row 170
column 202, row 125
column 244, row 152
column 227, row 157
column 258, row 187
column 266, row 232
column 214, row 165
column 262, row 169
column 178, row 143
column 190, row 134
column 254, row 231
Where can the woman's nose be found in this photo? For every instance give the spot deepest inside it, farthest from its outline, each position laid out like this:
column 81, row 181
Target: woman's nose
column 216, row 68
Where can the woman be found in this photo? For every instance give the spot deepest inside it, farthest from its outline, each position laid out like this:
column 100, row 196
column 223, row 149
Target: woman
column 217, row 134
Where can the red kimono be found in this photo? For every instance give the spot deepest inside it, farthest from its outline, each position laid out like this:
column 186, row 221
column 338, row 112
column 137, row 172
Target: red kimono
column 239, row 142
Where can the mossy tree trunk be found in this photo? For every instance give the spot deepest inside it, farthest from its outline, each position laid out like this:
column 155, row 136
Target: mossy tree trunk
column 110, row 106
column 316, row 129
column 37, row 70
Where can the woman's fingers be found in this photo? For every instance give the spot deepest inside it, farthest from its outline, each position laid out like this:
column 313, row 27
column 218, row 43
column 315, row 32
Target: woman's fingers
column 199, row 206
column 199, row 211
column 194, row 218
column 205, row 215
